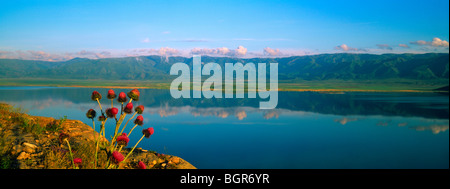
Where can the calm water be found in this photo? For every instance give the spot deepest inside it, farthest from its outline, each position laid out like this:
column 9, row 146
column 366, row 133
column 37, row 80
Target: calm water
column 306, row 130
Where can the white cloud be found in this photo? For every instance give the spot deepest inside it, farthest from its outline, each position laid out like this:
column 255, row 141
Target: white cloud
column 403, row 45
column 240, row 51
column 167, row 51
column 436, row 42
column 271, row 52
column 344, row 47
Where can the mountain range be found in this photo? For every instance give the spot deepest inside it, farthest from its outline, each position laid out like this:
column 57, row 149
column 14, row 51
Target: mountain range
column 313, row 67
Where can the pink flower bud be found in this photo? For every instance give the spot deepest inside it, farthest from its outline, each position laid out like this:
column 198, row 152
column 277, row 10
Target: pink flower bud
column 122, row 97
column 139, row 109
column 111, row 94
column 148, row 132
column 128, row 108
column 139, row 120
column 96, row 95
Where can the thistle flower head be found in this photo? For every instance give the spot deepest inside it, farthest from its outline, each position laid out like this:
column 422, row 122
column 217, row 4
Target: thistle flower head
column 139, row 120
column 123, row 140
column 128, row 108
column 91, row 114
column 111, row 94
column 141, row 165
column 101, row 118
column 77, row 161
column 111, row 112
column 148, row 132
column 96, row 95
column 122, row 97
column 117, row 157
column 134, row 94
column 139, row 109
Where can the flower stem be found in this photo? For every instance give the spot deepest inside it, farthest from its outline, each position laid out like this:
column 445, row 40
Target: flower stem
column 132, row 130
column 101, row 110
column 133, row 148
column 127, row 122
column 112, row 103
column 70, row 151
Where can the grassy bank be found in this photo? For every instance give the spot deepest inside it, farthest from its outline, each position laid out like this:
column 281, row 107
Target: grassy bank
column 386, row 85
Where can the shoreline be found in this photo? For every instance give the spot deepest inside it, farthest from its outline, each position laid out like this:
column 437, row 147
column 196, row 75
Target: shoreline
column 280, row 89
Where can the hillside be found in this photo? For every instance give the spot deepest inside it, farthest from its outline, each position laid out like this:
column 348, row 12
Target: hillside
column 315, row 67
column 32, row 142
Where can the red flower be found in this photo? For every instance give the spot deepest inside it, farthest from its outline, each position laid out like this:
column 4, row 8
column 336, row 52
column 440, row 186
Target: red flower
column 123, row 140
column 134, row 94
column 77, row 161
column 139, row 120
column 128, row 108
column 96, row 95
column 91, row 114
column 141, row 165
column 122, row 97
column 111, row 94
column 112, row 112
column 139, row 109
column 117, row 157
column 148, row 132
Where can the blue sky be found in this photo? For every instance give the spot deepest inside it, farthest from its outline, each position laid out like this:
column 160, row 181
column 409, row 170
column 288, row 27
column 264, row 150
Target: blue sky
column 59, row 30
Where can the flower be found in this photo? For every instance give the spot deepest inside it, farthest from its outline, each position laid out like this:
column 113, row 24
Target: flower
column 122, row 97
column 101, row 118
column 96, row 96
column 141, row 165
column 117, row 157
column 139, row 109
column 139, row 120
column 111, row 94
column 112, row 112
column 77, row 161
column 123, row 140
column 128, row 108
column 91, row 114
column 148, row 132
column 134, row 94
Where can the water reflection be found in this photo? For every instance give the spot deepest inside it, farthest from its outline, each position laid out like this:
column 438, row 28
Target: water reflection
column 306, row 130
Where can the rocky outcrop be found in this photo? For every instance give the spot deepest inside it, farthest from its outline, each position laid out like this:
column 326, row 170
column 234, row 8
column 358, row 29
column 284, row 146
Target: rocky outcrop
column 32, row 142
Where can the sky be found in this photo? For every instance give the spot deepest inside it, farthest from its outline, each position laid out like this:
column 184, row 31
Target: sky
column 62, row 30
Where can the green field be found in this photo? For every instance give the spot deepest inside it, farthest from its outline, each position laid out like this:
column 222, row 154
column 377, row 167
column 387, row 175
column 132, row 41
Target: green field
column 283, row 85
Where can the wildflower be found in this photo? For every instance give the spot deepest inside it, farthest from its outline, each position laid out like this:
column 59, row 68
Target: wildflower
column 141, row 165
column 91, row 114
column 139, row 109
column 117, row 157
column 134, row 94
column 139, row 120
column 128, row 108
column 77, row 161
column 112, row 112
column 122, row 140
column 122, row 97
column 96, row 96
column 101, row 118
column 148, row 132
column 111, row 94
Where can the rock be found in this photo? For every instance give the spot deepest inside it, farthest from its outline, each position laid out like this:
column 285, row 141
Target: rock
column 175, row 160
column 23, row 155
column 28, row 147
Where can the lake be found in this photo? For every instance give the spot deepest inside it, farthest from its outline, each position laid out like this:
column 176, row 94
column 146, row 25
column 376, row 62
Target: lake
column 307, row 129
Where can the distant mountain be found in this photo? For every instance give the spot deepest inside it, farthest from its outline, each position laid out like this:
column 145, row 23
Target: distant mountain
column 315, row 67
